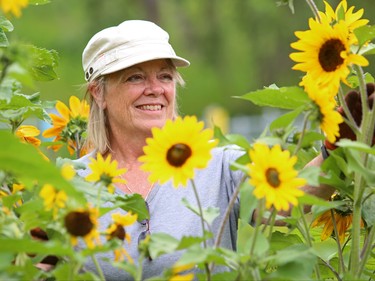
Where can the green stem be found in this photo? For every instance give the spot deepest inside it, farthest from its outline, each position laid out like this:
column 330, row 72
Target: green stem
column 341, row 258
column 299, row 144
column 258, row 221
column 306, row 234
column 98, row 267
column 365, row 136
column 313, row 8
column 367, row 248
column 203, row 227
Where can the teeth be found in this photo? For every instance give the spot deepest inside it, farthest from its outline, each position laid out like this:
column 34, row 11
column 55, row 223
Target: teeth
column 150, row 107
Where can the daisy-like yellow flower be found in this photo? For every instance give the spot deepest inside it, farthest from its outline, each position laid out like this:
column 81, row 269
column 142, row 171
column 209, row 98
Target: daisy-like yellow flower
column 13, row 6
column 179, row 273
column 105, row 171
column 83, row 223
column 53, row 199
column 342, row 13
column 27, row 134
column 343, row 218
column 117, row 230
column 273, row 176
column 67, row 171
column 328, row 118
column 69, row 120
column 15, row 188
column 176, row 150
column 325, row 53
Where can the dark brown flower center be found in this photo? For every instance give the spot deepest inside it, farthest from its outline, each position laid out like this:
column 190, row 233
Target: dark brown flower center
column 119, row 233
column 272, row 176
column 78, row 223
column 329, row 55
column 178, row 154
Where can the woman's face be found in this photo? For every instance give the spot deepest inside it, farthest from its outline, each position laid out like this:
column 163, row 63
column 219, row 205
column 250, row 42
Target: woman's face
column 140, row 97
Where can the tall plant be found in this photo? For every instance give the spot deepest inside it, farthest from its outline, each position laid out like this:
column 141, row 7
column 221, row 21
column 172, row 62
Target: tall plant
column 47, row 210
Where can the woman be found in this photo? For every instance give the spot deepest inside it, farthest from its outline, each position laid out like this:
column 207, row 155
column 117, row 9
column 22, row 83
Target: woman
column 132, row 79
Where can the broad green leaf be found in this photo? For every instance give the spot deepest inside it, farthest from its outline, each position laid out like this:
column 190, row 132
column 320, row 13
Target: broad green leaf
column 5, row 24
column 134, row 203
column 294, row 263
column 368, row 208
column 245, row 237
column 364, row 34
column 285, row 97
column 187, row 241
column 162, row 243
column 41, row 63
column 24, row 161
column 199, row 255
column 285, row 120
column 281, row 240
column 326, row 250
column 34, row 246
column 356, row 145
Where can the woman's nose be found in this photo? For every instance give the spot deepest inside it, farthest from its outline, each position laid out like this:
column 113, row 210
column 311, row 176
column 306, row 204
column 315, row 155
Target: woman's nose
column 154, row 87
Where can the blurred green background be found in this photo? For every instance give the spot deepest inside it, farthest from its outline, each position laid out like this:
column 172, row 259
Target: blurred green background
column 234, row 46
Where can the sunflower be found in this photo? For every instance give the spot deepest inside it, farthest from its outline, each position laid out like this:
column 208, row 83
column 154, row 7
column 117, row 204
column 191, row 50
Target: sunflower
column 117, row 230
column 274, row 177
column 16, row 187
column 70, row 123
column 53, row 199
column 180, row 273
column 325, row 53
column 176, row 150
column 27, row 134
column 105, row 172
column 83, row 223
column 342, row 216
column 13, row 6
column 351, row 19
column 328, row 118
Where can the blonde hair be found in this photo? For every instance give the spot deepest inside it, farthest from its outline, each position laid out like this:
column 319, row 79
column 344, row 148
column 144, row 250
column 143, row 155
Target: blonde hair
column 98, row 129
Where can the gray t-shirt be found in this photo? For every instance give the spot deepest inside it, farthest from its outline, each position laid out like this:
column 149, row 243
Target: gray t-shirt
column 215, row 185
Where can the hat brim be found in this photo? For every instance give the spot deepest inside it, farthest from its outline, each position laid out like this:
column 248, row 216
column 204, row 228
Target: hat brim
column 127, row 62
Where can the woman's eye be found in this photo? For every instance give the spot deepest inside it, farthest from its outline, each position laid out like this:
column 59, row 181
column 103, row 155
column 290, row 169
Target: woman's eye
column 167, row 77
column 134, row 78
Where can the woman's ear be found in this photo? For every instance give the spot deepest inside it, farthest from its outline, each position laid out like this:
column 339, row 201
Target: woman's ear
column 98, row 95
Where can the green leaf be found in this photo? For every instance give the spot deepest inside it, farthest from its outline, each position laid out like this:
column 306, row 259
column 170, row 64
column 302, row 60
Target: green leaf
column 285, row 97
column 34, row 246
column 134, row 203
column 41, row 63
column 281, row 240
column 245, row 237
column 294, row 263
column 356, row 145
column 162, row 243
column 326, row 250
column 24, row 161
column 368, row 208
column 364, row 34
column 199, row 255
column 209, row 214
column 285, row 120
